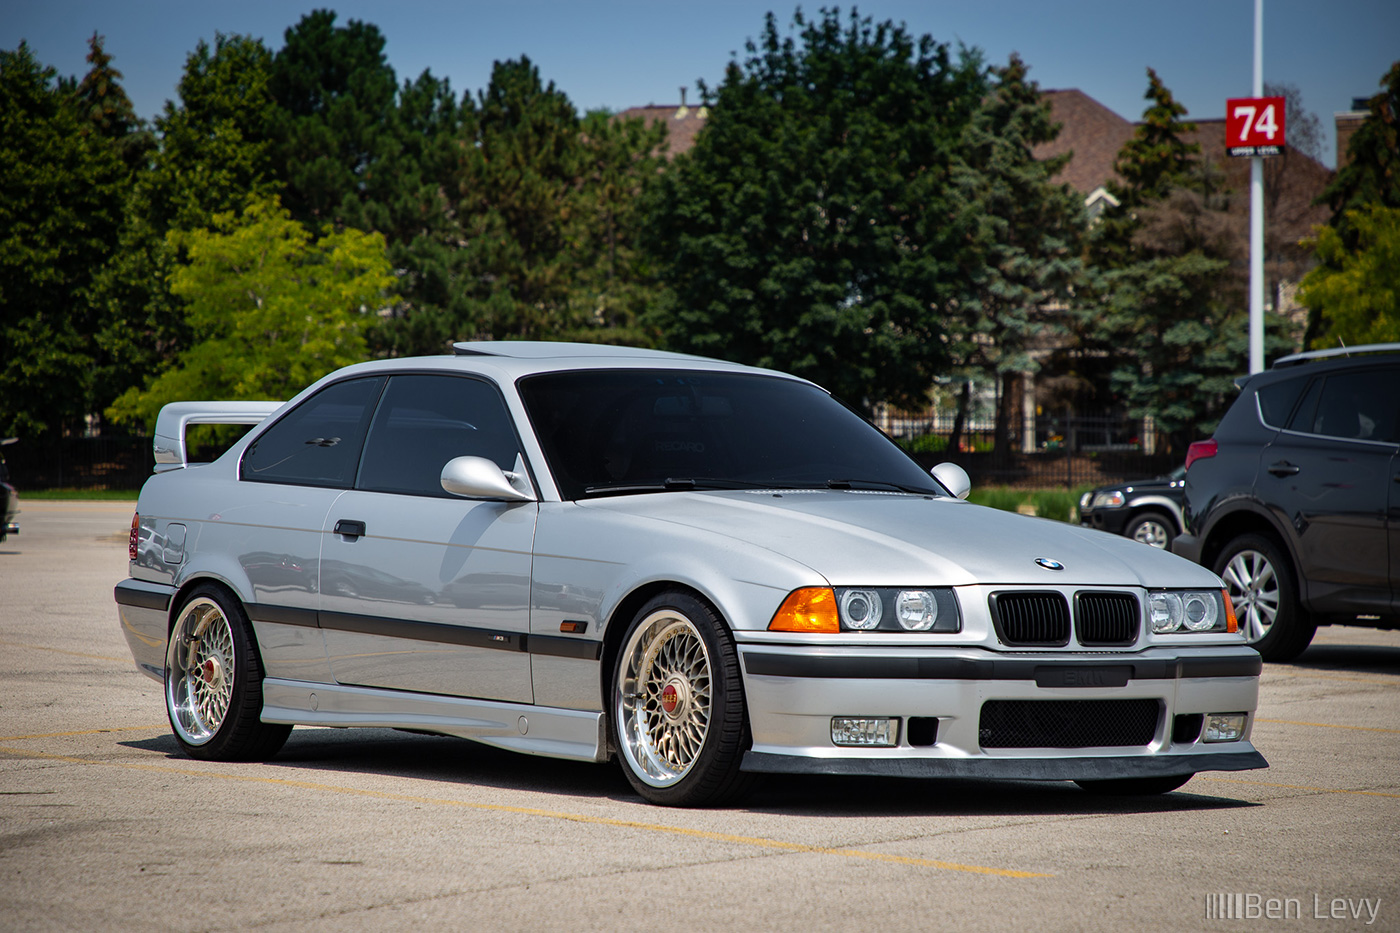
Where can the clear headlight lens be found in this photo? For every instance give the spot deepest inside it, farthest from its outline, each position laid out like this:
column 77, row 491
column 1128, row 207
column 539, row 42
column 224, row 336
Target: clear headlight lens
column 861, row 609
column 1189, row 611
column 1110, row 500
column 916, row 610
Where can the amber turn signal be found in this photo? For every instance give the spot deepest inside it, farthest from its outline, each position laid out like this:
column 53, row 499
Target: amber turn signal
column 810, row 609
column 1232, row 623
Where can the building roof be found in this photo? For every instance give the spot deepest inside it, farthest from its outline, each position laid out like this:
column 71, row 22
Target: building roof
column 682, row 123
column 1089, row 130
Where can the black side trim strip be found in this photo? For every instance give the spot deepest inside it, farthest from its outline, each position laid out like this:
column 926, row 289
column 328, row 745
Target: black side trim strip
column 1047, row 673
column 143, row 595
column 555, row 647
column 423, row 631
column 286, row 615
column 1025, row 769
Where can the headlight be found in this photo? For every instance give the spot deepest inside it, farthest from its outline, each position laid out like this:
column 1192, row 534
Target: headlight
column 1109, row 500
column 868, row 609
column 1085, row 499
column 1190, row 611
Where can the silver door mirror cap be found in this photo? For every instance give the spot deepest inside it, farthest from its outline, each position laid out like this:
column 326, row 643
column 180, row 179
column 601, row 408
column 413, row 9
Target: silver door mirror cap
column 479, row 478
column 954, row 477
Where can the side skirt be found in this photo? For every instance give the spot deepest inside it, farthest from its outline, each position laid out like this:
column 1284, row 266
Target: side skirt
column 535, row 730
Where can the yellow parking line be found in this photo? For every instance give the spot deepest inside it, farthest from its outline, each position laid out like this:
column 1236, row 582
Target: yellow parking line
column 76, row 654
column 756, row 841
column 59, row 735
column 1329, row 725
column 1320, row 790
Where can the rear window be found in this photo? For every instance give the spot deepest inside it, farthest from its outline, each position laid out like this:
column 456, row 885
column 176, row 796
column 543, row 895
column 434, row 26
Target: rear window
column 1276, row 401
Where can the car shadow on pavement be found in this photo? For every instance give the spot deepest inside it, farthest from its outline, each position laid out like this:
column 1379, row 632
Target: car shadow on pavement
column 390, row 753
column 1355, row 659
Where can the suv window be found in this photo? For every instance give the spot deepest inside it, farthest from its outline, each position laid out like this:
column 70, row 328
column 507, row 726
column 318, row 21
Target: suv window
column 422, row 422
column 318, row 442
column 1361, row 405
column 1277, row 400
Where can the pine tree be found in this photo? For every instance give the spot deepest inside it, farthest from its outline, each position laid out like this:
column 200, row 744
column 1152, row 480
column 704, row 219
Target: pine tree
column 813, row 226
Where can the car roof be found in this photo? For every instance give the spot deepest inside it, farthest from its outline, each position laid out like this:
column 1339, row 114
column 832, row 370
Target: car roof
column 509, row 360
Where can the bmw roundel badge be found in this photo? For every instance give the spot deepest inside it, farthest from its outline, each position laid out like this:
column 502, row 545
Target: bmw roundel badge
column 1049, row 564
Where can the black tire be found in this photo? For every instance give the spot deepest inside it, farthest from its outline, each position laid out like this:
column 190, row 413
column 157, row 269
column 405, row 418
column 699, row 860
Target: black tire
column 213, row 682
column 677, row 706
column 1264, row 591
column 1136, row 787
column 1153, row 529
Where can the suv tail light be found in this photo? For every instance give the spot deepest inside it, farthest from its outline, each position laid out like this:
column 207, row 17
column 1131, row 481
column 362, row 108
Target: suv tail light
column 1201, row 450
column 131, row 542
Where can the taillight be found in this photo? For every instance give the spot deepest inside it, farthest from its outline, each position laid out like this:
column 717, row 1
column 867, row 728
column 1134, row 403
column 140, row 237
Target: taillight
column 1201, row 450
column 135, row 536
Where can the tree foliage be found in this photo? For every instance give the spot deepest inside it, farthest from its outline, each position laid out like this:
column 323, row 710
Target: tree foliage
column 1356, row 292
column 272, row 308
column 1370, row 173
column 62, row 182
column 811, row 228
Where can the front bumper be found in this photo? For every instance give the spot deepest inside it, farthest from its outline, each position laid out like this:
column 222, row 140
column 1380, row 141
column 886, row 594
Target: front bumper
column 1112, row 521
column 794, row 692
column 1187, row 546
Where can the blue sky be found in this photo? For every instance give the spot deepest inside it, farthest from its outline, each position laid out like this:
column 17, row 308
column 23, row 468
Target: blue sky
column 621, row 53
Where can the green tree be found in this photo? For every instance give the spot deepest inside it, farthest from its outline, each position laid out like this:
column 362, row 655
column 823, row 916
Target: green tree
column 1169, row 309
column 272, row 308
column 812, row 227
column 214, row 154
column 1356, row 292
column 337, row 124
column 1027, row 236
column 62, row 182
column 519, row 206
column 1370, row 174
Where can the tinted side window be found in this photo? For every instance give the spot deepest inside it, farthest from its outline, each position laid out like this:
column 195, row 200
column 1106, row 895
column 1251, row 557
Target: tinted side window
column 1276, row 401
column 424, row 421
column 318, row 442
column 1362, row 405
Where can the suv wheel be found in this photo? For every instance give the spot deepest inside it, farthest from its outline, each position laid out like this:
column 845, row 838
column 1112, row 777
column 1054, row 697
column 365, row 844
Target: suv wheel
column 1260, row 582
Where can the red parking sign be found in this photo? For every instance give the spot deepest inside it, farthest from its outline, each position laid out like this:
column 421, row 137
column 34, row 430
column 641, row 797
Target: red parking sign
column 1254, row 126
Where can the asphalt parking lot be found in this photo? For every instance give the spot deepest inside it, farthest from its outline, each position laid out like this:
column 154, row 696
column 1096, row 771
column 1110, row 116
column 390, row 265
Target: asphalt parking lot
column 104, row 825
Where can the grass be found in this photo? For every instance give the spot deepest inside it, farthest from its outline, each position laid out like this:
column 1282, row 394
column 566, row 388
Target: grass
column 1059, row 504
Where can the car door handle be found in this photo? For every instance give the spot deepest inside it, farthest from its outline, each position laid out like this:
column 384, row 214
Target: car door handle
column 1284, row 468
column 350, row 528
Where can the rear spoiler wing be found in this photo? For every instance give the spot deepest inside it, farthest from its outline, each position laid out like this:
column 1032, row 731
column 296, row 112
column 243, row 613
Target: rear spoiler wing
column 169, row 443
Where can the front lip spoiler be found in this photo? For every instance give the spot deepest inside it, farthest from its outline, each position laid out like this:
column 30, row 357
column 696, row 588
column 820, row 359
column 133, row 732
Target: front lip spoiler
column 1019, row 769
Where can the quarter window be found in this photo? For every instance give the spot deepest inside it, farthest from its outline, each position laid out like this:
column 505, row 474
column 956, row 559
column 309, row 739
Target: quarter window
column 318, row 442
column 424, row 421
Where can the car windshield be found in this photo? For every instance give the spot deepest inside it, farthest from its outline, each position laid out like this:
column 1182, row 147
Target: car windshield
column 614, row 432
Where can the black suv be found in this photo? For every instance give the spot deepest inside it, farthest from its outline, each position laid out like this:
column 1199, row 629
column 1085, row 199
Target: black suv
column 1148, row 510
column 1295, row 501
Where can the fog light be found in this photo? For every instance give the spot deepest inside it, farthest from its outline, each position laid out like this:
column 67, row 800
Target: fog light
column 1223, row 727
column 849, row 730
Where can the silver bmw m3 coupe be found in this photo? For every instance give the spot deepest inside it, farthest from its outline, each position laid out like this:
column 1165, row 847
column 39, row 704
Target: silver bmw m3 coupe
column 706, row 571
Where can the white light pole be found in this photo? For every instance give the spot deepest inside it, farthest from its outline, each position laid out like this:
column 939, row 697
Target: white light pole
column 1256, row 214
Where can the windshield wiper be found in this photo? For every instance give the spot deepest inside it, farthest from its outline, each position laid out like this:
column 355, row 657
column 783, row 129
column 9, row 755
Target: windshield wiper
column 877, row 484
column 680, row 484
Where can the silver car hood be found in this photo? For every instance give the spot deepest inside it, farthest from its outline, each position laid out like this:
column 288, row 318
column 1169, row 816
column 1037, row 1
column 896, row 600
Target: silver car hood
column 882, row 539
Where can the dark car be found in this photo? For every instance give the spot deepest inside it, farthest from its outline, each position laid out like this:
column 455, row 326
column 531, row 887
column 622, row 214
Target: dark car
column 9, row 499
column 1148, row 510
column 1295, row 501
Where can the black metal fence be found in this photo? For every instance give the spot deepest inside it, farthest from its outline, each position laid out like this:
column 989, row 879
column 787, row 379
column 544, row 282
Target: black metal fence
column 1070, row 451
column 91, row 463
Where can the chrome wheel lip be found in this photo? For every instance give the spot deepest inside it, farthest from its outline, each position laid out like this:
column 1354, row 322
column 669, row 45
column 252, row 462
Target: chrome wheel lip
column 665, row 650
column 1253, row 586
column 199, row 671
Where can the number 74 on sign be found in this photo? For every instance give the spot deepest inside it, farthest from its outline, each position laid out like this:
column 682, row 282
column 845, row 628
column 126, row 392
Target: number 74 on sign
column 1254, row 126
